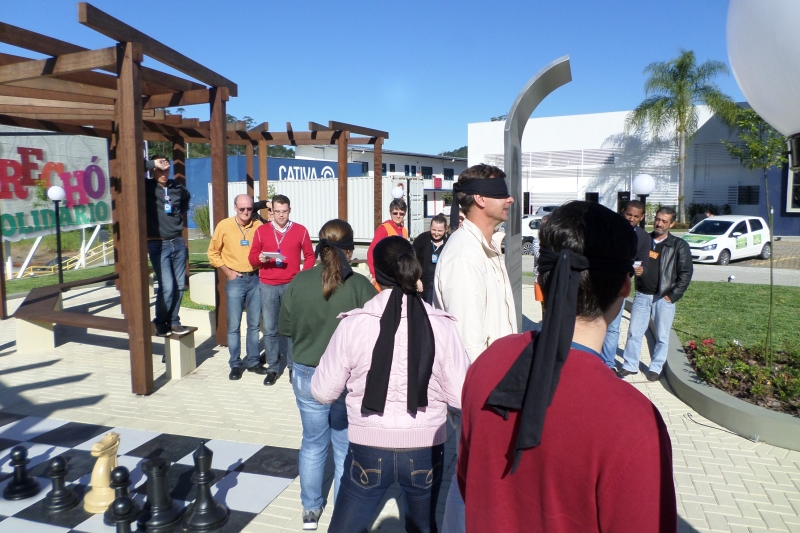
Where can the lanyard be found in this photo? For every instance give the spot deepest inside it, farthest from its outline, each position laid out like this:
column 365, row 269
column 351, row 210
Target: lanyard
column 283, row 235
column 165, row 194
column 244, row 233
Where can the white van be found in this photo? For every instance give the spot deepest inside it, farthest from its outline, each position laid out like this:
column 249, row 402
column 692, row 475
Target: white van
column 722, row 238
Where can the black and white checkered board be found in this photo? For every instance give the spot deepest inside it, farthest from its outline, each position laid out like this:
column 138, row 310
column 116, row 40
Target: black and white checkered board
column 248, row 476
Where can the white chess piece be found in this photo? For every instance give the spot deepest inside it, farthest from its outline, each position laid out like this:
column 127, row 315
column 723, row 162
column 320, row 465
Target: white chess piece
column 101, row 494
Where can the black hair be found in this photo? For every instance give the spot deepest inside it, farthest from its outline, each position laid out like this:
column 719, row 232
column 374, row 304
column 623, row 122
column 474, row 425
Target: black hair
column 395, row 257
column 636, row 204
column 668, row 210
column 475, row 172
column 593, row 230
column 440, row 219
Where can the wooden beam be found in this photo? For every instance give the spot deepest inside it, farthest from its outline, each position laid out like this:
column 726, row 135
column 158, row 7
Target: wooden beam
column 239, row 125
column 63, row 64
column 46, row 125
column 264, row 126
column 377, row 183
column 39, row 94
column 197, row 96
column 342, row 186
column 363, row 140
column 250, row 169
column 219, row 191
column 263, row 186
column 352, row 128
column 43, row 103
column 67, row 87
column 90, row 16
column 132, row 223
column 313, row 126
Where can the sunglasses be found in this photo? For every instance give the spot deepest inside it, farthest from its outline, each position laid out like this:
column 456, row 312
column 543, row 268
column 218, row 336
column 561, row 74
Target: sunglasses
column 399, row 214
column 244, row 209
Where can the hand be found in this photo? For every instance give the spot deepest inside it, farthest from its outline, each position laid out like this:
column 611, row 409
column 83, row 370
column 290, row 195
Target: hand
column 638, row 270
column 419, row 285
column 666, row 299
column 263, row 258
column 162, row 164
column 232, row 275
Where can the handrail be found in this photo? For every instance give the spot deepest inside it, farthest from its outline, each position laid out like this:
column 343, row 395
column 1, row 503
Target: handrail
column 94, row 254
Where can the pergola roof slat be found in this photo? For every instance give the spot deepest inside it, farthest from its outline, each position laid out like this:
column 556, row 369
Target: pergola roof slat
column 41, row 94
column 42, row 102
column 66, row 87
column 90, row 16
column 352, row 128
column 63, row 64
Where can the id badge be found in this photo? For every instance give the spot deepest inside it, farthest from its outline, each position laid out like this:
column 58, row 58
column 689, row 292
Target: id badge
column 279, row 262
column 435, row 258
column 244, row 242
column 168, row 208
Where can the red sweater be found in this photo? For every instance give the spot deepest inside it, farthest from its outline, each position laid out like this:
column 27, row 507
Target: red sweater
column 295, row 243
column 381, row 234
column 605, row 462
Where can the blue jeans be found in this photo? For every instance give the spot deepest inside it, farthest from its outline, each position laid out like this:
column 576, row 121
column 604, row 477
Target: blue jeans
column 274, row 344
column 644, row 309
column 243, row 294
column 369, row 472
column 169, row 264
column 323, row 426
column 611, row 343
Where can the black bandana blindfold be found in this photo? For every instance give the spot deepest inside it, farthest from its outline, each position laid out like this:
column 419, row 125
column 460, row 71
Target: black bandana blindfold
column 489, row 187
column 344, row 244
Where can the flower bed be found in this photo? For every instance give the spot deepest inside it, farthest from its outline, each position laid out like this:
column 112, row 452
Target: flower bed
column 743, row 373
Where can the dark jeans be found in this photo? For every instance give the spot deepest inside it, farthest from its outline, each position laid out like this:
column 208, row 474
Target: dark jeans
column 243, row 295
column 169, row 264
column 369, row 472
column 275, row 345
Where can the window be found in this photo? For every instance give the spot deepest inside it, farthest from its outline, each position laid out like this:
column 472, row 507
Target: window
column 756, row 225
column 413, row 170
column 406, row 170
column 748, row 195
column 741, row 227
column 427, row 172
column 710, row 226
column 535, row 223
column 383, row 169
column 793, row 193
column 391, row 167
column 364, row 168
column 448, row 174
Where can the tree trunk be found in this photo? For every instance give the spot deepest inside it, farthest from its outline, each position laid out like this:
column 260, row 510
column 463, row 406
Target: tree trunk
column 681, row 174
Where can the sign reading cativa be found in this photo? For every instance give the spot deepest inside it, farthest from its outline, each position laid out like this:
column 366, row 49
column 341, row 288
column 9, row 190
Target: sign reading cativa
column 30, row 164
column 297, row 172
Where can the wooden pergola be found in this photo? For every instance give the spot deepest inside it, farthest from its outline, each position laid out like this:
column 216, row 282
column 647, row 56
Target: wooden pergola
column 107, row 93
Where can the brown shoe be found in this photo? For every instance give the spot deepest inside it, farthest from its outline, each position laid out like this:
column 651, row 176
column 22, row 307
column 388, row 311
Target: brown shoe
column 621, row 372
column 653, row 376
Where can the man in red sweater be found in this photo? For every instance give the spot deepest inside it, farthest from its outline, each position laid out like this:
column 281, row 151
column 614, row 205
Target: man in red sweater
column 390, row 228
column 278, row 248
column 551, row 440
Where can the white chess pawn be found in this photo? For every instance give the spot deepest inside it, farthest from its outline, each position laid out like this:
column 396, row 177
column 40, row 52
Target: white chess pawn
column 101, row 494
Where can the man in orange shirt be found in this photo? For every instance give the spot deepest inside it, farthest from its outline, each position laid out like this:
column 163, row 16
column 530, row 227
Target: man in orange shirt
column 392, row 227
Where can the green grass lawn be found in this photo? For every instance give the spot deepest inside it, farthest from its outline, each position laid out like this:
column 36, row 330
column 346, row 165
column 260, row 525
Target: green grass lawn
column 727, row 311
column 16, row 286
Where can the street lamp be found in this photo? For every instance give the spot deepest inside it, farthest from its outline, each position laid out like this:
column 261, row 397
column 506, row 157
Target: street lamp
column 57, row 195
column 643, row 185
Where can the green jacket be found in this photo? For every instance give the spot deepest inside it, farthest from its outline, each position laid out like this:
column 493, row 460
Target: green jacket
column 310, row 320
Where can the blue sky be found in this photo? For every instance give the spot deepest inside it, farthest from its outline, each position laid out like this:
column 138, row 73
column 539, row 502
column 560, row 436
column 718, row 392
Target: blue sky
column 421, row 70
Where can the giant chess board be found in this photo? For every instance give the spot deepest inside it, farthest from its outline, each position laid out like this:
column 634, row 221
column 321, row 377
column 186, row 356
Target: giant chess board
column 248, row 476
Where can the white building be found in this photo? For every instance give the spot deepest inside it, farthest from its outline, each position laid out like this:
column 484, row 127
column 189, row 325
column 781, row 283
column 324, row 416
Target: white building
column 438, row 171
column 589, row 157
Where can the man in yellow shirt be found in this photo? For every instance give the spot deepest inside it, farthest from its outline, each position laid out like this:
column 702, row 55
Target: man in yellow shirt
column 228, row 251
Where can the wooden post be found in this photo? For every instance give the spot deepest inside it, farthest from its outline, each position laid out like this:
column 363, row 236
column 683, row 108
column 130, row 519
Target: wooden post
column 131, row 220
column 115, row 185
column 377, row 183
column 179, row 175
column 251, row 171
column 343, row 174
column 263, row 186
column 219, row 190
column 3, row 306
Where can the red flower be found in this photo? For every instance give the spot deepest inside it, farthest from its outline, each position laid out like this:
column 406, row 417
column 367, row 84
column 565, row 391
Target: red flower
column 708, row 342
column 692, row 345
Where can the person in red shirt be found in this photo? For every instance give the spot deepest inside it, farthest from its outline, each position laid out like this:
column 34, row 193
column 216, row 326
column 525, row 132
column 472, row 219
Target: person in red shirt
column 551, row 440
column 278, row 248
column 390, row 228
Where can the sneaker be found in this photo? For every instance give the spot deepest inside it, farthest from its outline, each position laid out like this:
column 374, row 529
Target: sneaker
column 162, row 330
column 179, row 330
column 259, row 369
column 310, row 519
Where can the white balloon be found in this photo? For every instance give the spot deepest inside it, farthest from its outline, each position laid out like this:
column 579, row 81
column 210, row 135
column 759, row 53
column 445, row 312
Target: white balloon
column 764, row 53
column 644, row 184
column 397, row 192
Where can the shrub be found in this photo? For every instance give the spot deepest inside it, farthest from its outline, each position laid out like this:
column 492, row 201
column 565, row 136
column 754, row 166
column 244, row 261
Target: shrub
column 202, row 218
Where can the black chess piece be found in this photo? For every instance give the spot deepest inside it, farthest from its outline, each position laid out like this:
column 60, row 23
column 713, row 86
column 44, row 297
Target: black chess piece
column 160, row 514
column 204, row 514
column 21, row 485
column 124, row 512
column 61, row 498
column 120, row 481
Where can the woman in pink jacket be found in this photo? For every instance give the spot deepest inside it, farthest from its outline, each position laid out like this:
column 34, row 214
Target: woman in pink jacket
column 402, row 363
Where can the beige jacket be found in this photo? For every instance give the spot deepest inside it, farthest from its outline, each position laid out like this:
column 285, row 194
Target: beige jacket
column 472, row 284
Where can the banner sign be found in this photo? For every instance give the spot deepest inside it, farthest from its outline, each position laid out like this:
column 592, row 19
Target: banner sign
column 30, row 163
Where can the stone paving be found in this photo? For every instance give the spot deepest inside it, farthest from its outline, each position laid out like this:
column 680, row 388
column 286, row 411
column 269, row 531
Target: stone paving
column 724, row 482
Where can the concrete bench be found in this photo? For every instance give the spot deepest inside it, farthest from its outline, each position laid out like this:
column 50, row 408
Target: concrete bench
column 43, row 308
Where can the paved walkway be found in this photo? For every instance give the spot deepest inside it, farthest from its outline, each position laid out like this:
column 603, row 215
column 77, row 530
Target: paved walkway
column 724, row 482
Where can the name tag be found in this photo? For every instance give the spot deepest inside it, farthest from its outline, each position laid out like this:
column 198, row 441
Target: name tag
column 244, row 242
column 653, row 255
column 168, row 208
column 435, row 258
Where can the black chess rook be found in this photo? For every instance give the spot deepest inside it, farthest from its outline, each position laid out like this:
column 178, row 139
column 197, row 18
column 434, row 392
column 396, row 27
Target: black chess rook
column 120, row 481
column 204, row 514
column 22, row 485
column 61, row 498
column 160, row 514
column 124, row 512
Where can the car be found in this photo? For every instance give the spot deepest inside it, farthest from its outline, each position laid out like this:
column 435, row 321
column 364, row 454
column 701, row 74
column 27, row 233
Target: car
column 530, row 231
column 545, row 210
column 722, row 238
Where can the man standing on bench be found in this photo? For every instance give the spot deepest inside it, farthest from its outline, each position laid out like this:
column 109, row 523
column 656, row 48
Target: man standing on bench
column 229, row 250
column 167, row 203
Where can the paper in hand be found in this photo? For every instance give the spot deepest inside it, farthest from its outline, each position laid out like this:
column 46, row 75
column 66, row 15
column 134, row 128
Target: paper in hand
column 273, row 255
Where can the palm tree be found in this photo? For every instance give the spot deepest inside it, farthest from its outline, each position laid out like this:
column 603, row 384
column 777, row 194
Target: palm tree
column 672, row 92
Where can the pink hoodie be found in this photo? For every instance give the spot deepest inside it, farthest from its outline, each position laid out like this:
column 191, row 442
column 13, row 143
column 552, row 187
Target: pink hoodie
column 348, row 358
